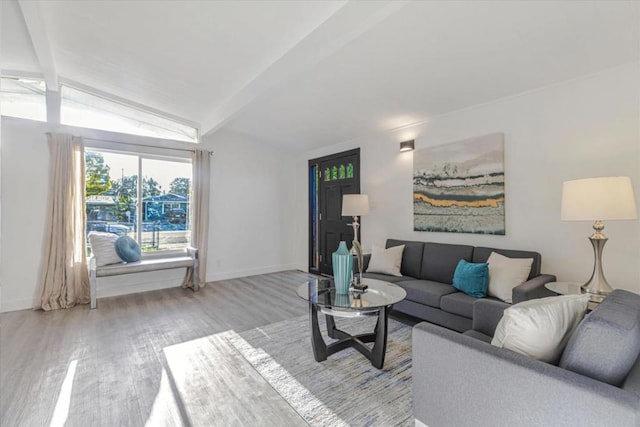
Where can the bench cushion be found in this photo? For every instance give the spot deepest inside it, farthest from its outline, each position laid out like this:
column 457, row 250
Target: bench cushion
column 145, row 264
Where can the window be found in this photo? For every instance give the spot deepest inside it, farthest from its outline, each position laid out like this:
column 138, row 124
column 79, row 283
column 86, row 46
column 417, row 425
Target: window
column 83, row 109
column 338, row 173
column 155, row 213
column 23, row 98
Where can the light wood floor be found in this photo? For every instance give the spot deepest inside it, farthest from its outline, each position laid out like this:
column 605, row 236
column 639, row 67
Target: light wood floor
column 109, row 367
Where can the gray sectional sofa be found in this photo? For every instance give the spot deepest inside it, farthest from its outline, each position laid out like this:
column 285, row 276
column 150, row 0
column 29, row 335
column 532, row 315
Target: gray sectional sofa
column 462, row 380
column 427, row 273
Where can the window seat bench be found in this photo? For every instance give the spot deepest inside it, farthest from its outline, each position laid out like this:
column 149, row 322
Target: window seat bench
column 187, row 257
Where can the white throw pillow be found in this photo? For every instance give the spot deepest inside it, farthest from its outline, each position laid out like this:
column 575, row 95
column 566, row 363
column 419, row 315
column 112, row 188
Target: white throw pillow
column 103, row 247
column 386, row 261
column 540, row 328
column 505, row 274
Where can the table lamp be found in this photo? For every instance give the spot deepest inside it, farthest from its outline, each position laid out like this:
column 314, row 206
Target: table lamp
column 356, row 205
column 598, row 199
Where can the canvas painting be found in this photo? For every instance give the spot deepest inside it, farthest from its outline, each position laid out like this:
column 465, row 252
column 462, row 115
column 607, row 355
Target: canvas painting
column 459, row 187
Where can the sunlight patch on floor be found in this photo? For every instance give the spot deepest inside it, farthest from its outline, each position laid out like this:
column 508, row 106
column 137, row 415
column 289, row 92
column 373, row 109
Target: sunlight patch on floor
column 61, row 411
column 213, row 380
column 195, row 366
column 262, row 332
column 296, row 394
column 165, row 410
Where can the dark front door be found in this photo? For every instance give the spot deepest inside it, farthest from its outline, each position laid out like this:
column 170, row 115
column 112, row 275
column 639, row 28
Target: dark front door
column 335, row 175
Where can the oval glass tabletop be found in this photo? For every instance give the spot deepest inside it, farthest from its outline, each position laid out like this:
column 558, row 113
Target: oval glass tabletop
column 378, row 294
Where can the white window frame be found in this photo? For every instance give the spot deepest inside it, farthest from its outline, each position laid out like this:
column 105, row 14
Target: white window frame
column 53, row 105
column 147, row 153
column 33, row 77
column 129, row 104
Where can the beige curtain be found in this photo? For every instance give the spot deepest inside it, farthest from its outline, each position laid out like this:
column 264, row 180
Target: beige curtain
column 64, row 281
column 200, row 213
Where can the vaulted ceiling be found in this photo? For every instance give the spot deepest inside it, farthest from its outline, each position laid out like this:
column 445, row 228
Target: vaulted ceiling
column 302, row 74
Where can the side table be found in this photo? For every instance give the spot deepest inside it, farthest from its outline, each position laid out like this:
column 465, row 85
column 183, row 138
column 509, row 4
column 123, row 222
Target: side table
column 573, row 288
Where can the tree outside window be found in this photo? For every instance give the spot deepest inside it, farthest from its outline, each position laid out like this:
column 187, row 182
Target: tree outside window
column 112, row 198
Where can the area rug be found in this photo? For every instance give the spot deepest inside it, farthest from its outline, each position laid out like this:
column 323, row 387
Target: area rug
column 343, row 390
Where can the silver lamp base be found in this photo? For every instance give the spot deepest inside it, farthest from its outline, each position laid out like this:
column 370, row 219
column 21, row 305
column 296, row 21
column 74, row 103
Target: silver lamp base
column 356, row 250
column 355, row 224
column 597, row 286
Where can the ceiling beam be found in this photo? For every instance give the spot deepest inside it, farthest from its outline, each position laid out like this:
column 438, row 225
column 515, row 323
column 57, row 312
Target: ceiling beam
column 345, row 25
column 32, row 13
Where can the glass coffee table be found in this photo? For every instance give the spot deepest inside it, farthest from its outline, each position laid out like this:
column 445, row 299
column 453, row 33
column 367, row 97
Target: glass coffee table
column 377, row 300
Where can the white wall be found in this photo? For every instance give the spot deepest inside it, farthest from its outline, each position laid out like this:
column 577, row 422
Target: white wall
column 582, row 128
column 24, row 178
column 251, row 219
column 586, row 127
column 252, row 208
column 24, row 196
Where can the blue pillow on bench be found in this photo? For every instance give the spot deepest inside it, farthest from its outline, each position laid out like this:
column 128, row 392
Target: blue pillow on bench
column 472, row 278
column 128, row 249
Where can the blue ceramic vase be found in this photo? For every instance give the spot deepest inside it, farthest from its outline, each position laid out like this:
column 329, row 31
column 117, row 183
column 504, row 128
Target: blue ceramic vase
column 342, row 268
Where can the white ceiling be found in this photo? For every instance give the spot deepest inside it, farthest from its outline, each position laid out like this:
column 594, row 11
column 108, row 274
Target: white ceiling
column 306, row 74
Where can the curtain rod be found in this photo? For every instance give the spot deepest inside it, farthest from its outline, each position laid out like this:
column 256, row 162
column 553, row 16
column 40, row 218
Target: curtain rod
column 140, row 145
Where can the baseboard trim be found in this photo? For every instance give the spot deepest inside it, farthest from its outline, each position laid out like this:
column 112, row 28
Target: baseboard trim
column 226, row 275
column 16, row 305
column 116, row 286
column 111, row 290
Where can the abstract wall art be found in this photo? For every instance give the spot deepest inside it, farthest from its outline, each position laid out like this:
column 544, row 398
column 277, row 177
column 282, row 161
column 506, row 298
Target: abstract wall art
column 459, row 187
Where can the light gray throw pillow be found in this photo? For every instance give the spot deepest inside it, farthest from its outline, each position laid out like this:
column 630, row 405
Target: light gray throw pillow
column 103, row 247
column 540, row 328
column 386, row 261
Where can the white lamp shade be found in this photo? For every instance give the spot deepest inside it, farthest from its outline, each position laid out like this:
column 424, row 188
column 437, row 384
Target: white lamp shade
column 355, row 204
column 592, row 199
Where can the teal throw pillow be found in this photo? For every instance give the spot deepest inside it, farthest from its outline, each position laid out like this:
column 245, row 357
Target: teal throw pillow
column 472, row 278
column 128, row 249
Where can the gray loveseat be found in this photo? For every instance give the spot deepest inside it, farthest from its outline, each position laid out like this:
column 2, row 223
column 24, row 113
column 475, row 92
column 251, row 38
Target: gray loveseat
column 427, row 273
column 462, row 380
